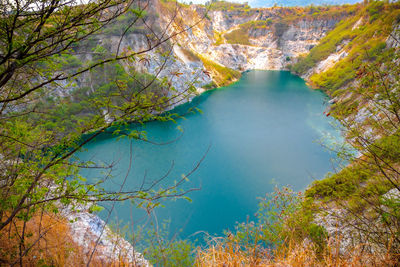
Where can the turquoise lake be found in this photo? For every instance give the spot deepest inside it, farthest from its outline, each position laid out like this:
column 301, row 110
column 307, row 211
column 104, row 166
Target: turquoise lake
column 262, row 131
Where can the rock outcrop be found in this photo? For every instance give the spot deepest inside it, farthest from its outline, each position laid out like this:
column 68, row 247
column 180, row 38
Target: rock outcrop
column 268, row 48
column 266, row 41
column 92, row 234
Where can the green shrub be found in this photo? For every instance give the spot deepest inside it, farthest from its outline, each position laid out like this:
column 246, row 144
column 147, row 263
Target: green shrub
column 228, row 6
column 339, row 185
column 160, row 249
column 239, row 36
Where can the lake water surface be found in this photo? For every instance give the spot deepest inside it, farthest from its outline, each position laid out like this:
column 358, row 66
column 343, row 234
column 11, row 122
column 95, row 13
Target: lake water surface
column 260, row 131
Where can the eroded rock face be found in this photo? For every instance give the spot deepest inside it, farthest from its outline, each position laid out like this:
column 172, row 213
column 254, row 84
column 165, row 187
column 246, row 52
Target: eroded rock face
column 268, row 49
column 91, row 233
column 393, row 39
column 304, row 35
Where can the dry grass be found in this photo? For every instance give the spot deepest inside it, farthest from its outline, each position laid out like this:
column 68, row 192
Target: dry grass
column 293, row 254
column 229, row 255
column 47, row 242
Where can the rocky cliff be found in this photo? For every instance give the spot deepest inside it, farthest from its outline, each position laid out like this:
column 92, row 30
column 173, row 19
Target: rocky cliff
column 218, row 43
column 242, row 39
column 268, row 46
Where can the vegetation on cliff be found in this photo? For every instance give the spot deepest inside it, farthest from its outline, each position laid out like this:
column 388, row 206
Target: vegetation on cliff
column 47, row 104
column 280, row 18
column 56, row 96
column 222, row 75
column 362, row 37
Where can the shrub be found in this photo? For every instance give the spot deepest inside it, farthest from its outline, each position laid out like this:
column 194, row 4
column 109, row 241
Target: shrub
column 239, row 36
column 161, row 250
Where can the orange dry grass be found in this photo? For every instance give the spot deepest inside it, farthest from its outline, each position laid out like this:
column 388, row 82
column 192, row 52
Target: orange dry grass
column 294, row 255
column 230, row 255
column 47, row 241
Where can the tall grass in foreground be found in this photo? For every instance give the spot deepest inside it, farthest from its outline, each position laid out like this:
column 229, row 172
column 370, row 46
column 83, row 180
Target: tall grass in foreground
column 291, row 254
column 286, row 233
column 283, row 235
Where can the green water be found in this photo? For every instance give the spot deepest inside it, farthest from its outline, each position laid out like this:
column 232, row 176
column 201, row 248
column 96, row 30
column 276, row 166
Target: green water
column 262, row 130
